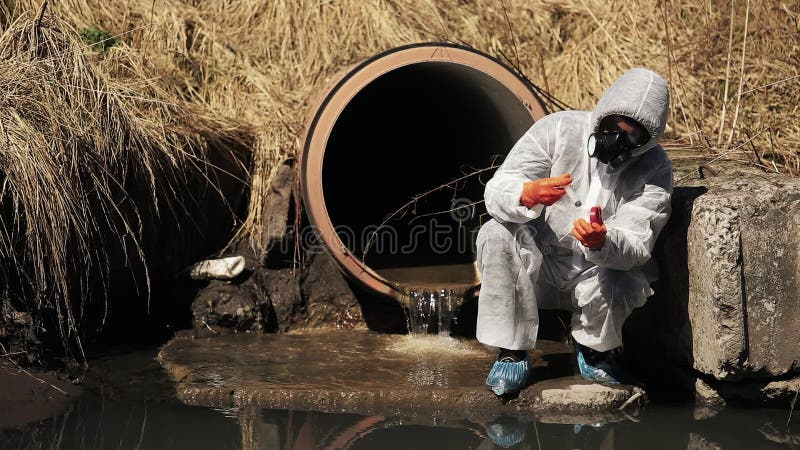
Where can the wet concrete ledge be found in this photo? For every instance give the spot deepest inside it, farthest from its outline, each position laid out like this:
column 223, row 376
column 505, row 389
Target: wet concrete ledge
column 332, row 371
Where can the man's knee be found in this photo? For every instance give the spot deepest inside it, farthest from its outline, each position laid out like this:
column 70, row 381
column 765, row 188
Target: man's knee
column 510, row 244
column 495, row 243
column 495, row 231
column 519, row 235
column 613, row 290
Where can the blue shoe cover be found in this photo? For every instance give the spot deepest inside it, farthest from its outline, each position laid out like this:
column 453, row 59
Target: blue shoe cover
column 603, row 372
column 506, row 434
column 508, row 377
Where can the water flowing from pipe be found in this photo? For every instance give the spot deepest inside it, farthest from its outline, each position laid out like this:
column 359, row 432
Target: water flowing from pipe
column 431, row 311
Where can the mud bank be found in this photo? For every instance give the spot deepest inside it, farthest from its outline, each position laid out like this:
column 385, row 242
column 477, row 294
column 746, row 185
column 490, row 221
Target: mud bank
column 30, row 396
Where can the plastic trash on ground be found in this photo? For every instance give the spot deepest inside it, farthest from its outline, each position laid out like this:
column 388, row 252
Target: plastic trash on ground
column 218, row 269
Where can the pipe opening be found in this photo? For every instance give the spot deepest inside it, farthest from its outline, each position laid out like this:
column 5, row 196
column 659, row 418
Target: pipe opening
column 409, row 131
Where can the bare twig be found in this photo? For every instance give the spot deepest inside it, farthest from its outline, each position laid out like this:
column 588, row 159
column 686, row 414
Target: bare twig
column 144, row 425
column 20, row 368
column 793, row 404
column 741, row 73
column 403, row 210
column 40, row 14
column 727, row 78
column 539, row 90
column 510, row 31
column 445, row 34
column 726, row 153
column 630, row 401
column 457, row 208
column 753, row 147
column 770, row 84
column 544, row 72
column 536, row 429
column 205, row 324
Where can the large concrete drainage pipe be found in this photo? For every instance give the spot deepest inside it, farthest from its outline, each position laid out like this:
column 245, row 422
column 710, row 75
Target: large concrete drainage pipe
column 396, row 126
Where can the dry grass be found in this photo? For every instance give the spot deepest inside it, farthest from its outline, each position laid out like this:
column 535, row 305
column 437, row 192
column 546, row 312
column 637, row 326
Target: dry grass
column 733, row 66
column 260, row 61
column 90, row 149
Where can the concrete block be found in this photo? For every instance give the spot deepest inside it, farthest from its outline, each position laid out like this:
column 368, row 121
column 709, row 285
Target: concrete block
column 728, row 300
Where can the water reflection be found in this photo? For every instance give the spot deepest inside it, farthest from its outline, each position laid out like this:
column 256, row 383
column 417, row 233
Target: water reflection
column 106, row 421
column 132, row 405
column 668, row 429
column 131, row 420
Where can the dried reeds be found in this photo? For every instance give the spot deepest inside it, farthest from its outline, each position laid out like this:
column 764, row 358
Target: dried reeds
column 733, row 67
column 91, row 150
column 261, row 62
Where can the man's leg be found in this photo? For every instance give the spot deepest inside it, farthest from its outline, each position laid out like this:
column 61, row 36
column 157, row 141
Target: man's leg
column 508, row 320
column 509, row 261
column 604, row 299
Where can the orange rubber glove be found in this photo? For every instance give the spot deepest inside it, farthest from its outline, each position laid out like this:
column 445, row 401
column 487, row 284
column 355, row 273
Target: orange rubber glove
column 545, row 191
column 591, row 235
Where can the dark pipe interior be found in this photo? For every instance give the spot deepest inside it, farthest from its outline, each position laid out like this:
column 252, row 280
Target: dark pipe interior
column 409, row 131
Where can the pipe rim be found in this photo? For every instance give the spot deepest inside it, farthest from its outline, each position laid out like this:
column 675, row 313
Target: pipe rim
column 329, row 107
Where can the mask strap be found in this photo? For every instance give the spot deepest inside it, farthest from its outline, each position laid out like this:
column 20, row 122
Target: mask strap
column 616, row 162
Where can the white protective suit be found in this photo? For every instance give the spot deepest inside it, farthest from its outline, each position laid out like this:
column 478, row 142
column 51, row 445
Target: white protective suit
column 529, row 259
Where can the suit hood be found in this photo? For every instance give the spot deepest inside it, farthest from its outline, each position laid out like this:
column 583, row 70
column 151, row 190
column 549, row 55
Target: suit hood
column 642, row 95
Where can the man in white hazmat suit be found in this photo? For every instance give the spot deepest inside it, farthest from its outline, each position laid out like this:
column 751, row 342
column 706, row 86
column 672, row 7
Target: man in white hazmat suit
column 540, row 250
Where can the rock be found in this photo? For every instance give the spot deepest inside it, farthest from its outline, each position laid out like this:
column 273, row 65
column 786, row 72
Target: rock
column 770, row 280
column 706, row 395
column 779, row 434
column 728, row 301
column 235, row 307
column 18, row 338
column 716, row 307
column 279, row 299
column 282, row 291
column 774, row 394
column 744, row 261
column 278, row 294
column 698, row 442
column 708, row 402
column 278, row 201
column 328, row 298
column 584, row 396
column 782, row 391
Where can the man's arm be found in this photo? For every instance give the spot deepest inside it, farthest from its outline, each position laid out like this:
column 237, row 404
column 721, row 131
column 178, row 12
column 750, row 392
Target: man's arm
column 528, row 160
column 633, row 229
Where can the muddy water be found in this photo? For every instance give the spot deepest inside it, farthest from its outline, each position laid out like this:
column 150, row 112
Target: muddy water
column 446, row 276
column 129, row 403
column 665, row 428
column 328, row 360
column 433, row 294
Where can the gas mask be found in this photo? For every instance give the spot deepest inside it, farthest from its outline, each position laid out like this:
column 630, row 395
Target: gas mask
column 613, row 147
